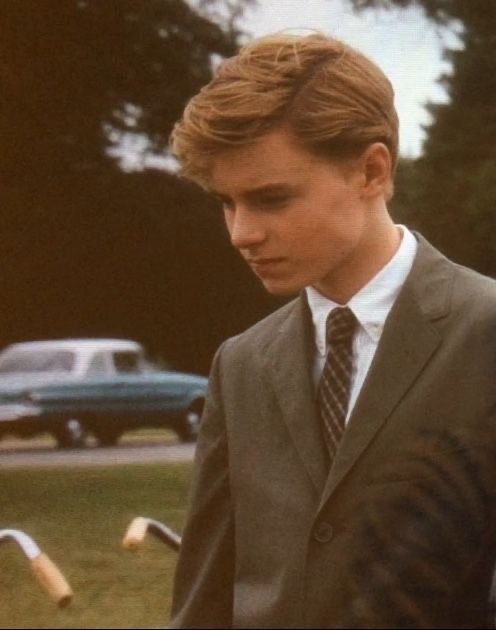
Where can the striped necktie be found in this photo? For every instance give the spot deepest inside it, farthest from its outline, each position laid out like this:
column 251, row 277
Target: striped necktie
column 334, row 387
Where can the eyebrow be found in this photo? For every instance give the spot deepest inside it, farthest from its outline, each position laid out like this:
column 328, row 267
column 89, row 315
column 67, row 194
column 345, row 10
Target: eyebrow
column 259, row 190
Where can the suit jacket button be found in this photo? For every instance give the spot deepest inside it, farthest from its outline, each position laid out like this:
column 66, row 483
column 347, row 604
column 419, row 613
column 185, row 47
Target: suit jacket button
column 322, row 532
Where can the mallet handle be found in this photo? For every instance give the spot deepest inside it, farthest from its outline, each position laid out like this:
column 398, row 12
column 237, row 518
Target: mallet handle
column 52, row 580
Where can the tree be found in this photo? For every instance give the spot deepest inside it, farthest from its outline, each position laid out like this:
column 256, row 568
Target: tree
column 455, row 175
column 75, row 69
column 85, row 248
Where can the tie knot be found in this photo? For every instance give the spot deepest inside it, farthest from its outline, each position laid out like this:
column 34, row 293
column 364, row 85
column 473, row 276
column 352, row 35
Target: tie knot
column 340, row 325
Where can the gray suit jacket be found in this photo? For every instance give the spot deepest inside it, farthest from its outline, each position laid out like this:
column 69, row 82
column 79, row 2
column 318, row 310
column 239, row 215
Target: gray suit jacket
column 401, row 532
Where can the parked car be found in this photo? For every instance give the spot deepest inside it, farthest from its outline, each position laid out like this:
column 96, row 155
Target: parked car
column 74, row 387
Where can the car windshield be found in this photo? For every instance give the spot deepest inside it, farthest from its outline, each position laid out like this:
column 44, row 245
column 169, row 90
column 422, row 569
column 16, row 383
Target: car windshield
column 17, row 361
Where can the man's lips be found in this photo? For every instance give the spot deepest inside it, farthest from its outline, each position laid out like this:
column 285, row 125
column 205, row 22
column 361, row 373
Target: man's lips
column 263, row 261
column 264, row 264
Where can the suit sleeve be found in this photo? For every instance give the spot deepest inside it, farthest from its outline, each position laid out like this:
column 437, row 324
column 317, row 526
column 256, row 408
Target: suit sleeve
column 203, row 588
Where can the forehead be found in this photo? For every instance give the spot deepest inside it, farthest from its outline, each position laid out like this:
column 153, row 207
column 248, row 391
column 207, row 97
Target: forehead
column 274, row 157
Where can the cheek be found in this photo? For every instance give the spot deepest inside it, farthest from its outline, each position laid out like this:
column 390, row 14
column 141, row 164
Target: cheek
column 344, row 222
column 324, row 229
column 328, row 240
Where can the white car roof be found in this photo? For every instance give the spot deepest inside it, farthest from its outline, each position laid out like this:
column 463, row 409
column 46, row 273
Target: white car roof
column 77, row 344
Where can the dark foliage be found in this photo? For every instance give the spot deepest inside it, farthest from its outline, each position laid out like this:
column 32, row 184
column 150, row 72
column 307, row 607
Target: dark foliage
column 85, row 248
column 71, row 68
column 139, row 255
column 453, row 185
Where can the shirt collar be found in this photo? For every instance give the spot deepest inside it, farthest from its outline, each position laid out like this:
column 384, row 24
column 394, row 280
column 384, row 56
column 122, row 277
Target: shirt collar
column 372, row 304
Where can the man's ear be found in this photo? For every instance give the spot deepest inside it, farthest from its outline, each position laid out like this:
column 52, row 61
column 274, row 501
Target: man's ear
column 376, row 165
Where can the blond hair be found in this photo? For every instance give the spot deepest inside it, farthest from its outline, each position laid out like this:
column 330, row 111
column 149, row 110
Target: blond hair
column 332, row 98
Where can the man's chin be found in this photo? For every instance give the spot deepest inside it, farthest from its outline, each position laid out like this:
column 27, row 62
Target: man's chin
column 281, row 288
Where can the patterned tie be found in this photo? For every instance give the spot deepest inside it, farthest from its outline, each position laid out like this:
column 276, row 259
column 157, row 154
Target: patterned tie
column 334, row 387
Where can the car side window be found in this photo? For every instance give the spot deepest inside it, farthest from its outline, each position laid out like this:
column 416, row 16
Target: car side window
column 40, row 361
column 97, row 365
column 126, row 362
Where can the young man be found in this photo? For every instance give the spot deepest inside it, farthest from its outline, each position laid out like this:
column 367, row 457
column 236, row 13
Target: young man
column 346, row 465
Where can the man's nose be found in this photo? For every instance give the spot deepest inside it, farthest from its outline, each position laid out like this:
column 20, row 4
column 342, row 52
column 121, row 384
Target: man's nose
column 245, row 229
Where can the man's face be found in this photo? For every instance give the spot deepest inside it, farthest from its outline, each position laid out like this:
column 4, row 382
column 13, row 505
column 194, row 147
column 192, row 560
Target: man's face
column 296, row 218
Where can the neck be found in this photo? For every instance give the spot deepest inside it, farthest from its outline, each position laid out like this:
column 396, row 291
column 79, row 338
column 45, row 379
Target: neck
column 381, row 243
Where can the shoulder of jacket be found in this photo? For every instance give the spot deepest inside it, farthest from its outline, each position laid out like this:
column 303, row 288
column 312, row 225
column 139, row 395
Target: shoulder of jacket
column 442, row 285
column 262, row 332
column 474, row 286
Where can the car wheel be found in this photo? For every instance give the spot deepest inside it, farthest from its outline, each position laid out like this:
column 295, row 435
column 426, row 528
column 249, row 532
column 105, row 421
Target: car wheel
column 70, row 434
column 190, row 425
column 107, row 438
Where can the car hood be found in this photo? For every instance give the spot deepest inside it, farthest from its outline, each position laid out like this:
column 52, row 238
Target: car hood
column 14, row 387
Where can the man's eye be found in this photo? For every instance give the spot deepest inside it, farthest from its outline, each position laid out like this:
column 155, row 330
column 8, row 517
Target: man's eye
column 274, row 201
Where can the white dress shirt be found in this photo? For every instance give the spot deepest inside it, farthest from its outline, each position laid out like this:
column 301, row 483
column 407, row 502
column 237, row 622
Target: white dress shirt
column 371, row 306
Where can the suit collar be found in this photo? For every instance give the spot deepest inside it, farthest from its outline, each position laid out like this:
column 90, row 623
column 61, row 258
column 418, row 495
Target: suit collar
column 430, row 280
column 409, row 340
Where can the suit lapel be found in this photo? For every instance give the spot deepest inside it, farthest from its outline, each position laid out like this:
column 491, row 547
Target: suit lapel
column 409, row 340
column 288, row 361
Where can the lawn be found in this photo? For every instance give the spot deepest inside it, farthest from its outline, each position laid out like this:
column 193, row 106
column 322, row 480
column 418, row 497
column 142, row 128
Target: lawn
column 78, row 517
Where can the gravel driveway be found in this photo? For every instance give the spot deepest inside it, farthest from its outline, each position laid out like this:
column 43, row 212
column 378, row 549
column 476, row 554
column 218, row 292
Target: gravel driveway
column 16, row 453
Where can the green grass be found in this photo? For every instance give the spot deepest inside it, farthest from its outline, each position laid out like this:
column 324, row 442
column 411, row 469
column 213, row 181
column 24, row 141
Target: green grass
column 78, row 517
